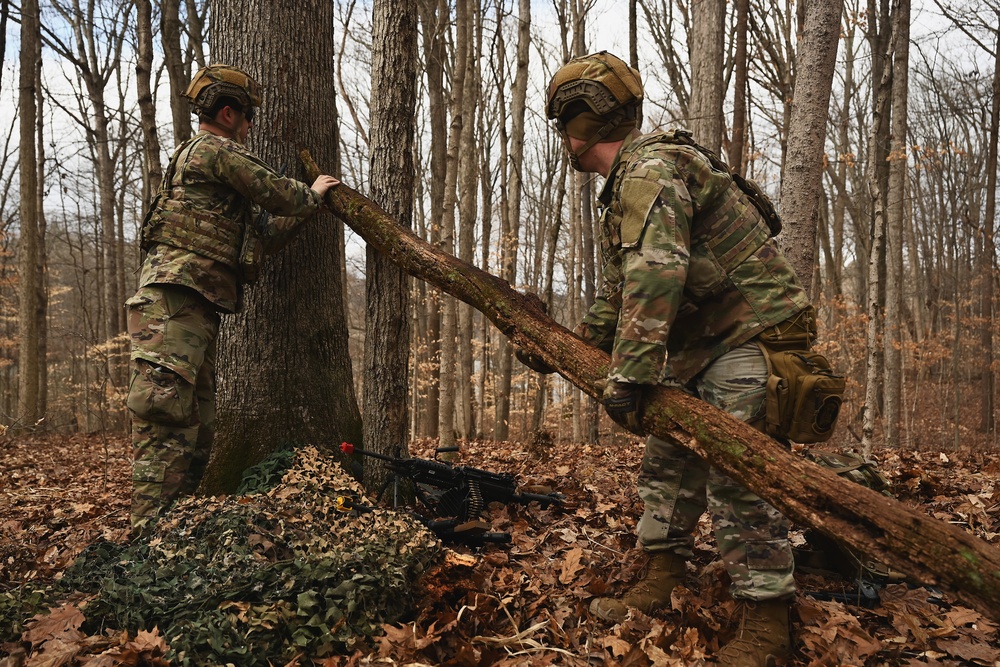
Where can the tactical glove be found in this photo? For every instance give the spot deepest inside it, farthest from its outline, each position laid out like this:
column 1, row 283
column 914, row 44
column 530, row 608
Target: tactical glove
column 532, row 361
column 623, row 403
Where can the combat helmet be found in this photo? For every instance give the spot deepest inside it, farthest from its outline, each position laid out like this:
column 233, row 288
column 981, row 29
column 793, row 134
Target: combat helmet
column 214, row 82
column 594, row 98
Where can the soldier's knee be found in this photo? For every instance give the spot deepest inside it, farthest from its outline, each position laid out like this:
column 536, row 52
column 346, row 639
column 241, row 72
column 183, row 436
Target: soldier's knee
column 158, row 394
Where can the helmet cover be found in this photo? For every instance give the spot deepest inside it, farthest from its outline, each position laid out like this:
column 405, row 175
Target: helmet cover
column 216, row 81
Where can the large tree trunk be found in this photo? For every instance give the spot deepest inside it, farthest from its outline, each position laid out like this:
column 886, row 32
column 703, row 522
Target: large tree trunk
column 875, row 525
column 801, row 181
column 28, row 411
column 387, row 312
column 284, row 374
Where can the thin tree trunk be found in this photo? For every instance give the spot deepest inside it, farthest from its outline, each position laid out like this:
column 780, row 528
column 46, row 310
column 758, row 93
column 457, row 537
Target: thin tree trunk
column 42, row 305
column 987, row 422
column 707, row 47
column 803, row 164
column 28, row 250
column 449, row 308
column 895, row 217
column 173, row 58
column 875, row 525
column 515, row 188
column 875, row 299
column 147, row 112
column 737, row 147
column 387, row 312
column 468, row 180
column 633, row 34
column 433, row 18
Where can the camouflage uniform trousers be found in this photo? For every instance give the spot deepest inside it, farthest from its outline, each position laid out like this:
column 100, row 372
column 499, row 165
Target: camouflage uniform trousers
column 171, row 395
column 677, row 486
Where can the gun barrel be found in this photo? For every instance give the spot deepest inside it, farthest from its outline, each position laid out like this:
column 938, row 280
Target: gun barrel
column 544, row 500
column 349, row 449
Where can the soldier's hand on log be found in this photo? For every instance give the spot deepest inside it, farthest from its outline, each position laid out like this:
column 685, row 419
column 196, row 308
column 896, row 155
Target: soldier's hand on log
column 623, row 403
column 323, row 184
column 532, row 361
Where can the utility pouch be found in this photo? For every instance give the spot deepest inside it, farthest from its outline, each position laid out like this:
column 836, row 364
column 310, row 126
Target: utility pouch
column 804, row 395
column 251, row 253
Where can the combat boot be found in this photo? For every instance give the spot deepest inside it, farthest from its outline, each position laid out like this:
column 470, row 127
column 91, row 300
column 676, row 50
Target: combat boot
column 664, row 571
column 762, row 637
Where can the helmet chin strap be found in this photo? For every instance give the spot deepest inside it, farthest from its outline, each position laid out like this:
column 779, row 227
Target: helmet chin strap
column 574, row 156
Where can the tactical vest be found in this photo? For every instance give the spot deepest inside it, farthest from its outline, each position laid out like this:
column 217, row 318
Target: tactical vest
column 723, row 235
column 175, row 221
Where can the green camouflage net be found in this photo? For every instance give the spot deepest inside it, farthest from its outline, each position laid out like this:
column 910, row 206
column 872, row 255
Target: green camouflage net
column 19, row 604
column 257, row 579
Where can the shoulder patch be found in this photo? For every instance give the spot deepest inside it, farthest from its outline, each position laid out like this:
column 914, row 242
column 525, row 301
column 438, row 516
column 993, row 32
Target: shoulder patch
column 638, row 196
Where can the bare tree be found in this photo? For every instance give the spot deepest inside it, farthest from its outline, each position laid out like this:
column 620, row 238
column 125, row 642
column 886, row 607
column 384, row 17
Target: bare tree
column 387, row 335
column 467, row 201
column 737, row 145
column 803, row 164
column 512, row 217
column 987, row 419
column 28, row 408
column 881, row 40
column 707, row 48
column 177, row 73
column 449, row 307
column 434, row 21
column 147, row 111
column 94, row 47
column 895, row 217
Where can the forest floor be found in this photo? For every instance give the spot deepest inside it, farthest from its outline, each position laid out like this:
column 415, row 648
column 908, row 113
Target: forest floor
column 525, row 603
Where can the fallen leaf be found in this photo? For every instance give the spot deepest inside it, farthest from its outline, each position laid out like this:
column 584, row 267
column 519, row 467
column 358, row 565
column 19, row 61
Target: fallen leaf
column 62, row 623
column 571, row 565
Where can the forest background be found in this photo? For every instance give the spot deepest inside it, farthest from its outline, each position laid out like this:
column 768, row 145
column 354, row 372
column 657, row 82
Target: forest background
column 899, row 254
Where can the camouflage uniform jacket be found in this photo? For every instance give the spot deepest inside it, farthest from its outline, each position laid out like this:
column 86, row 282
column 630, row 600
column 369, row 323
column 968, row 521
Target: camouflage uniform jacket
column 208, row 200
column 689, row 268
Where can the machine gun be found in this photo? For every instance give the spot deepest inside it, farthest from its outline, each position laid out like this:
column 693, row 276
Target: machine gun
column 455, row 495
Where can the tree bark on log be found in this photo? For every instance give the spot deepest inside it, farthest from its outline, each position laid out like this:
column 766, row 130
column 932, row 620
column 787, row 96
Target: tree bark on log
column 881, row 528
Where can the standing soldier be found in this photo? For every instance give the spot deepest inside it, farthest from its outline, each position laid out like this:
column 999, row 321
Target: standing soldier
column 203, row 236
column 691, row 279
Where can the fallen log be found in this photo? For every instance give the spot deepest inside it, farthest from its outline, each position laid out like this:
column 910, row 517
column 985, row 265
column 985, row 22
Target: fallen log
column 930, row 551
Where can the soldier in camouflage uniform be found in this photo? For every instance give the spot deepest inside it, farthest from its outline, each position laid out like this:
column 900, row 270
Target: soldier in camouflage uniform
column 691, row 276
column 203, row 237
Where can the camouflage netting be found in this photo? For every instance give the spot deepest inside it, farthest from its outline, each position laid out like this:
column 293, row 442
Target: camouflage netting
column 255, row 579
